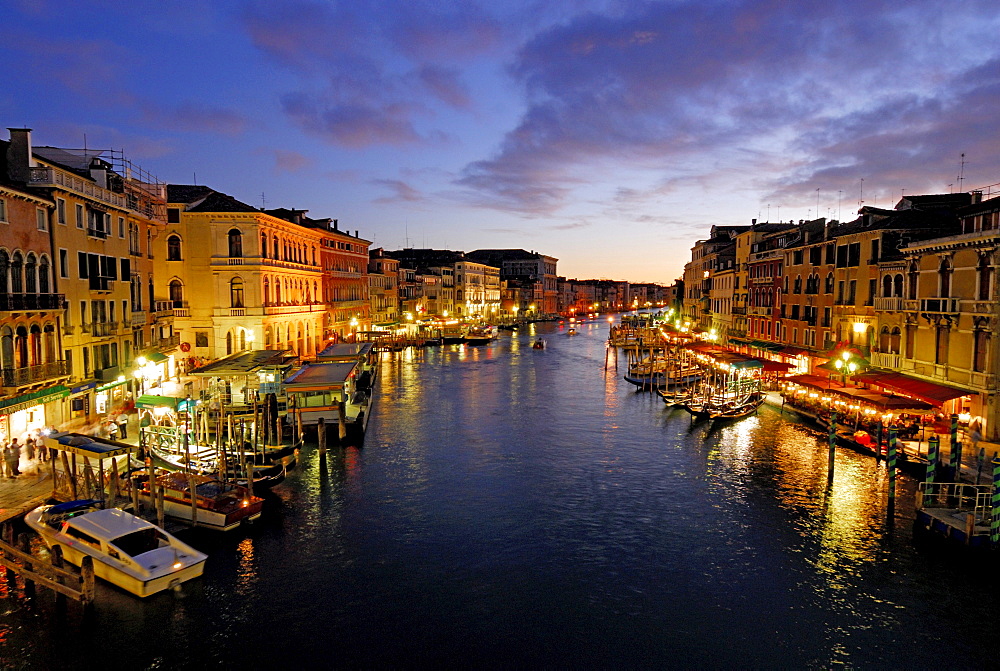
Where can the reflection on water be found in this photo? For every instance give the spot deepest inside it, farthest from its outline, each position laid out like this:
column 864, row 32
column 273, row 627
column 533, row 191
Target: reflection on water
column 522, row 507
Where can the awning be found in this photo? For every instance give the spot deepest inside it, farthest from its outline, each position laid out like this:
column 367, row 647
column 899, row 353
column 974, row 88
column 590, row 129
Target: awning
column 931, row 392
column 770, row 346
column 792, row 351
column 814, row 381
column 150, row 401
column 40, row 397
column 776, row 366
column 155, row 357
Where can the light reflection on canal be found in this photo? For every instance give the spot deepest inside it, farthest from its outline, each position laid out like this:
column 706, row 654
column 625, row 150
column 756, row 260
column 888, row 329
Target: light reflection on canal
column 522, row 507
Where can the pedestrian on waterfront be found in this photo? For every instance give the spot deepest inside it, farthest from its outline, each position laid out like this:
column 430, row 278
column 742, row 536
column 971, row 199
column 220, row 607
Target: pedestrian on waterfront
column 29, row 447
column 123, row 425
column 112, row 430
column 12, row 455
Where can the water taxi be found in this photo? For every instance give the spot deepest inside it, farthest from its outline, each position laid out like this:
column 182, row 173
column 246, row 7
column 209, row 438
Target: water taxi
column 330, row 391
column 127, row 551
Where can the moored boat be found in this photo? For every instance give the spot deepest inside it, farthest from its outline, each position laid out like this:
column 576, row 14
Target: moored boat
column 220, row 505
column 538, row 344
column 127, row 551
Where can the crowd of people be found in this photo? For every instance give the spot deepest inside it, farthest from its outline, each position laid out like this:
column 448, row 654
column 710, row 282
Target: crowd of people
column 32, row 451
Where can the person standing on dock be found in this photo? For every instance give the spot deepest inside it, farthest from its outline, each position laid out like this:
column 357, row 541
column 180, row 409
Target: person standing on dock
column 123, row 424
column 12, row 455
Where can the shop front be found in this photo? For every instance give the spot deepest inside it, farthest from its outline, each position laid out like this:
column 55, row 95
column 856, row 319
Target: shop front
column 29, row 413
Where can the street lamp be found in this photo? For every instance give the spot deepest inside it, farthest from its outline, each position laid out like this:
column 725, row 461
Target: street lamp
column 846, row 364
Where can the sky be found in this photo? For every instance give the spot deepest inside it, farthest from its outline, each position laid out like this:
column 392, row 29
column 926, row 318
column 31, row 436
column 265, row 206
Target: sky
column 610, row 135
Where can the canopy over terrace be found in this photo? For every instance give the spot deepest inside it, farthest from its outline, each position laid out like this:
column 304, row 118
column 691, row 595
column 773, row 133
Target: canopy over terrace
column 738, row 360
column 239, row 376
column 929, row 392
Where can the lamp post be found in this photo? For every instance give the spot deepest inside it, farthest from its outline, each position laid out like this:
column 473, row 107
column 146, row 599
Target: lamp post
column 846, row 364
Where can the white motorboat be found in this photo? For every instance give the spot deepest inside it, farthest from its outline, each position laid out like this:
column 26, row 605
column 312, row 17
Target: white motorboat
column 127, row 551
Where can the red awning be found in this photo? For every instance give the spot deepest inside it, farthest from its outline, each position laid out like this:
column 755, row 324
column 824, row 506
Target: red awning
column 814, row 381
column 776, row 366
column 930, row 392
column 792, row 351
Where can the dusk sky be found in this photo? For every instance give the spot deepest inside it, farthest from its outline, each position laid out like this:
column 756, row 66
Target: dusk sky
column 610, row 135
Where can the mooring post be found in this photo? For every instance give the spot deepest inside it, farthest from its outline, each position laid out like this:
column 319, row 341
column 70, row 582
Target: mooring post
column 955, row 454
column 980, row 460
column 25, row 546
column 87, row 575
column 933, row 446
column 342, row 420
column 832, row 445
column 193, row 488
column 57, row 562
column 321, row 436
column 892, row 470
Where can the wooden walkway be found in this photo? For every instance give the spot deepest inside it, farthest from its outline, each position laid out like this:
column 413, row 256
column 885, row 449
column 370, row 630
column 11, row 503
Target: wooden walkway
column 25, row 492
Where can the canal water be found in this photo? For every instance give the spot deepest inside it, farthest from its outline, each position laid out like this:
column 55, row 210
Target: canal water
column 514, row 507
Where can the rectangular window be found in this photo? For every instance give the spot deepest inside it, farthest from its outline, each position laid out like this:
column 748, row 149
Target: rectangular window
column 83, row 312
column 61, row 211
column 83, row 265
column 79, row 215
column 125, row 311
column 68, row 358
column 42, row 218
column 64, row 263
column 3, row 210
column 852, row 296
column 173, row 216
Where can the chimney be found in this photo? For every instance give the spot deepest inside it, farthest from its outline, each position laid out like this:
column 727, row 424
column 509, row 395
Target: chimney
column 19, row 157
column 357, row 234
column 335, row 224
column 977, row 197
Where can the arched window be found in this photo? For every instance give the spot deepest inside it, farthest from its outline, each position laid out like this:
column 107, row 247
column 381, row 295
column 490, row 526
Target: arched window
column 277, row 249
column 17, row 274
column 883, row 339
column 35, row 345
column 897, row 286
column 50, row 342
column 174, row 248
column 236, row 293
column 894, row 340
column 829, row 284
column 981, row 348
column 798, row 284
column 43, row 275
column 912, row 276
column 263, row 245
column 944, row 278
column 176, row 293
column 985, row 272
column 6, row 347
column 235, row 243
column 887, row 286
column 267, row 292
column 4, row 271
column 21, row 347
column 229, row 342
column 30, row 278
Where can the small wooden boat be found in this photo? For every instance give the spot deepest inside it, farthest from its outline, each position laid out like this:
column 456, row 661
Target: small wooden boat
column 220, row 505
column 744, row 408
column 538, row 344
column 127, row 551
column 481, row 334
column 571, row 331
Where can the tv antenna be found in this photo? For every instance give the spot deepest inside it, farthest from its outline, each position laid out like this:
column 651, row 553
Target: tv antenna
column 961, row 172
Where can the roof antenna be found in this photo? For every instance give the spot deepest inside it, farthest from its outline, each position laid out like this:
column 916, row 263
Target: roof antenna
column 861, row 198
column 961, row 173
column 195, row 178
column 263, row 201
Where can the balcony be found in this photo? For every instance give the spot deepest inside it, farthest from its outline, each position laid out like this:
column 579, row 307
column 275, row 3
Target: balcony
column 889, row 304
column 41, row 176
column 758, row 311
column 294, row 309
column 940, row 305
column 739, row 310
column 762, row 280
column 886, row 360
column 109, row 374
column 169, row 342
column 101, row 329
column 138, row 318
column 16, row 377
column 27, row 302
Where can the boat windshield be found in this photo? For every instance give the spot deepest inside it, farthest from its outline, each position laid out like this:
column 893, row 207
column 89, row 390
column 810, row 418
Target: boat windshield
column 136, row 543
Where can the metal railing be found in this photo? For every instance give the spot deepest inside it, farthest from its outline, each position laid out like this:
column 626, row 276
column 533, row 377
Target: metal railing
column 31, row 301
column 14, row 377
